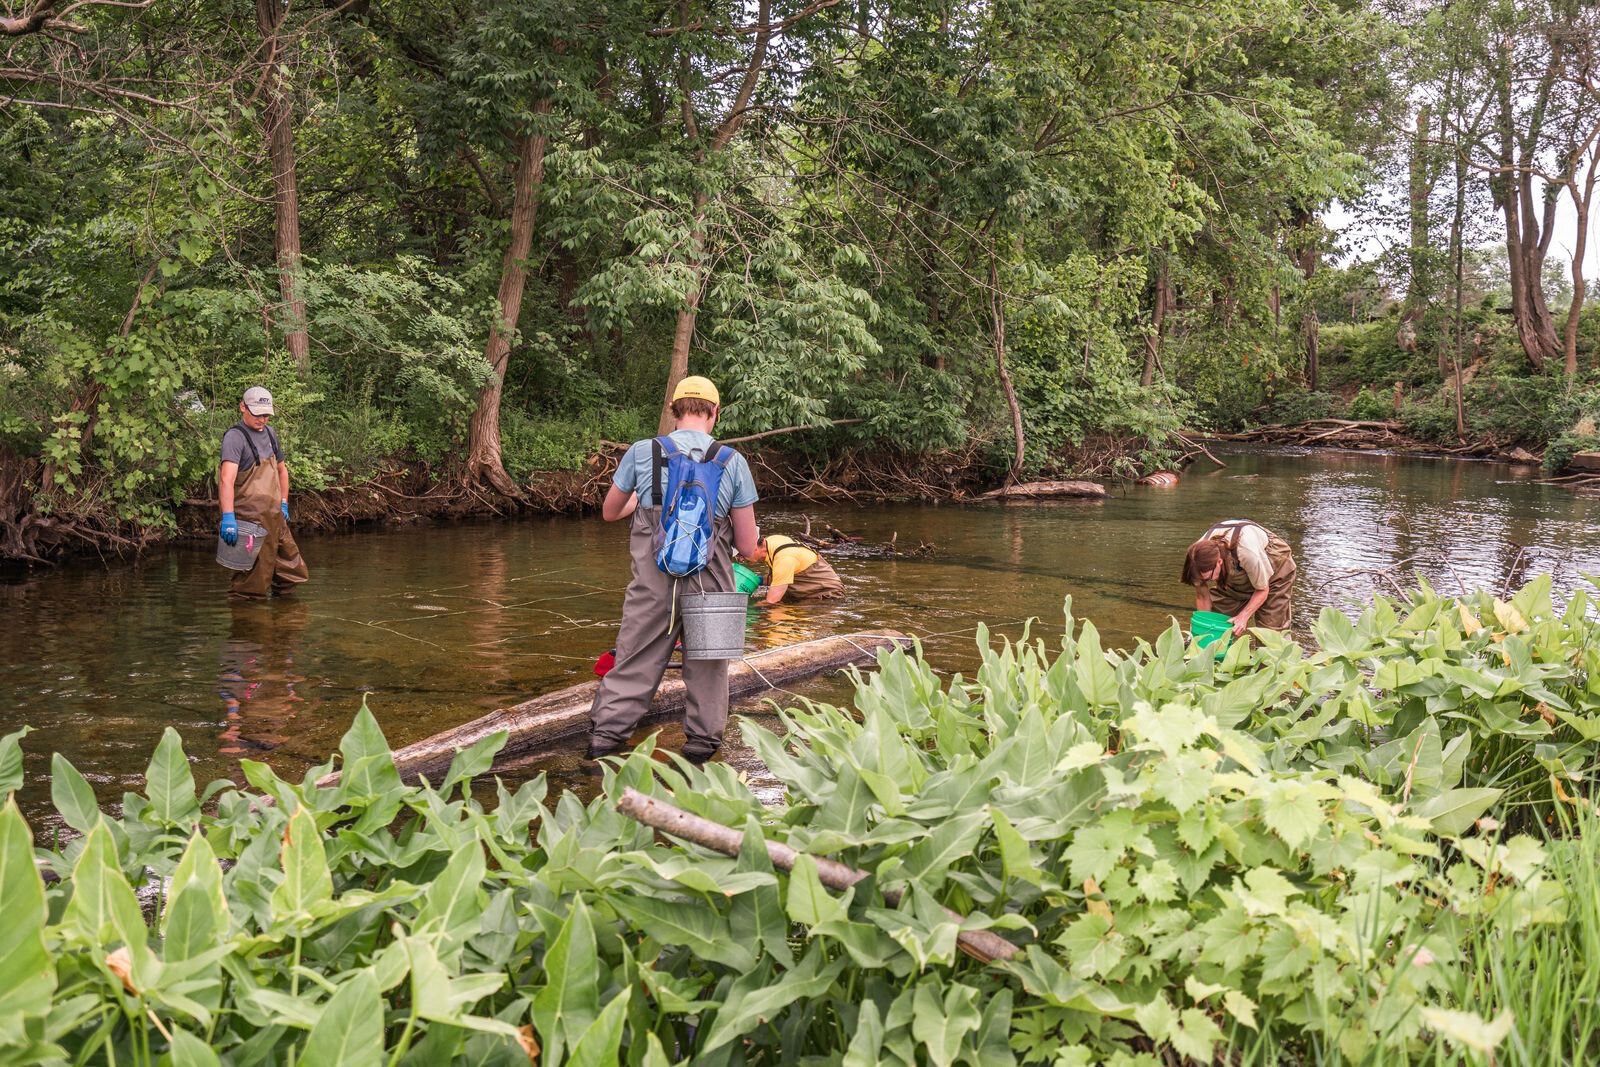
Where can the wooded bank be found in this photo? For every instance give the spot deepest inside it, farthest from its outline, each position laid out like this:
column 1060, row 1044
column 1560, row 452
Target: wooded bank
column 483, row 243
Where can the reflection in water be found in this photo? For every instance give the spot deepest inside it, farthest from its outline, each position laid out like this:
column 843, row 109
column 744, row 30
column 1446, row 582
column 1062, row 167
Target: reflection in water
column 436, row 625
column 256, row 674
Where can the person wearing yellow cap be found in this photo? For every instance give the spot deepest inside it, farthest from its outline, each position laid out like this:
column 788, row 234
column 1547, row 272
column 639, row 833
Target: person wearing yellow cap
column 797, row 571
column 650, row 627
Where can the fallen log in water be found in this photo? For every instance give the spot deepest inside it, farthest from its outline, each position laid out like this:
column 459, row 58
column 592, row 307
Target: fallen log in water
column 564, row 714
column 1038, row 490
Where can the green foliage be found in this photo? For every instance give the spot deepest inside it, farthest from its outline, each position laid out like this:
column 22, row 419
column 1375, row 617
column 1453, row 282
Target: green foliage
column 1292, row 408
column 1332, row 854
column 1369, row 405
column 1368, row 354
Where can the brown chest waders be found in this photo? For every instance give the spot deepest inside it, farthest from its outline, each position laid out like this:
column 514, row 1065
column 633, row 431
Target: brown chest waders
column 817, row 582
column 256, row 496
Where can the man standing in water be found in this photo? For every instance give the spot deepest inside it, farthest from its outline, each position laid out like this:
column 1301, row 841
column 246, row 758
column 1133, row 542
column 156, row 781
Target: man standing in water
column 253, row 484
column 650, row 623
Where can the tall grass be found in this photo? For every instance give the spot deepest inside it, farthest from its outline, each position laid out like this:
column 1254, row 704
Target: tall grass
column 1547, row 975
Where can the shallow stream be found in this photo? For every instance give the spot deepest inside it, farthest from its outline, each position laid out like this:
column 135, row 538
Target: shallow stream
column 436, row 625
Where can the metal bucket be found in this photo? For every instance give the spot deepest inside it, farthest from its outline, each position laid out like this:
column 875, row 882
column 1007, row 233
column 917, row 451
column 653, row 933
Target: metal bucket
column 241, row 555
column 713, row 624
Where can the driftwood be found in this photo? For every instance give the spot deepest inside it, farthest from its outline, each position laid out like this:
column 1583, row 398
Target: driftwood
column 841, row 545
column 983, row 945
column 1159, row 480
column 1356, row 434
column 1194, row 448
column 1039, row 490
column 536, row 724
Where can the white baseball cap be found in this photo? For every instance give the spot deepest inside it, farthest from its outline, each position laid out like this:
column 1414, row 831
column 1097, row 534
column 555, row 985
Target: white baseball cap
column 258, row 400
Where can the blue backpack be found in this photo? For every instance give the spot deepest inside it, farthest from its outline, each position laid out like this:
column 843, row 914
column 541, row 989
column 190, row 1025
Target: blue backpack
column 688, row 504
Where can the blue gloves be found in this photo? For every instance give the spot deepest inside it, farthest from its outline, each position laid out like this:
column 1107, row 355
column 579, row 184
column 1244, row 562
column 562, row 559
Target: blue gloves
column 284, row 505
column 229, row 528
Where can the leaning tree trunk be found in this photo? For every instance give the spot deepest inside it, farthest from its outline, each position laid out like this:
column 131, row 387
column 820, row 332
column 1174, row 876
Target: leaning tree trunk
column 1158, row 316
column 279, row 114
column 484, row 459
column 1307, row 256
column 1582, row 200
column 998, row 305
column 683, row 332
column 1419, row 193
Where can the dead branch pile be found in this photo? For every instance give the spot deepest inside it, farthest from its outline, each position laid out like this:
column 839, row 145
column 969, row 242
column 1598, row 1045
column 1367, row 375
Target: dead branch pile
column 1355, row 433
column 839, row 544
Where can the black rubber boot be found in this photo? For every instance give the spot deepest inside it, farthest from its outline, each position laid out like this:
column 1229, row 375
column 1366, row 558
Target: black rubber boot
column 594, row 754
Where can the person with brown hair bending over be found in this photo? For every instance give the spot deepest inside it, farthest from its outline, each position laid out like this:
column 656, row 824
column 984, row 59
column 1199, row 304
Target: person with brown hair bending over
column 1243, row 570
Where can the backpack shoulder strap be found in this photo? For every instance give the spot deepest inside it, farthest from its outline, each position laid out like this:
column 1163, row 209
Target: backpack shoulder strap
column 662, row 449
column 720, row 454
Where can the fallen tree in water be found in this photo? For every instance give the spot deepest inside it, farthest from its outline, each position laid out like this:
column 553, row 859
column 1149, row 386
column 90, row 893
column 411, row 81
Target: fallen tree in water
column 1043, row 490
column 545, row 720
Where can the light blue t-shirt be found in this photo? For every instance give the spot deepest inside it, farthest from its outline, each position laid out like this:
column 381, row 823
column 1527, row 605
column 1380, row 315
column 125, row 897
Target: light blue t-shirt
column 738, row 488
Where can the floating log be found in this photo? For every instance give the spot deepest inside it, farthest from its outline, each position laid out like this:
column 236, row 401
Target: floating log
column 983, row 945
column 1039, row 490
column 536, row 724
column 1521, row 455
column 1160, row 480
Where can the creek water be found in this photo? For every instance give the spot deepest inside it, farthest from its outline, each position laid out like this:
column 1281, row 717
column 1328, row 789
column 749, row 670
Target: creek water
column 436, row 625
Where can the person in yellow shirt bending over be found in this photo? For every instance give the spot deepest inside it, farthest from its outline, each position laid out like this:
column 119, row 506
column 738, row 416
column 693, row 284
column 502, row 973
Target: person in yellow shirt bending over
column 795, row 569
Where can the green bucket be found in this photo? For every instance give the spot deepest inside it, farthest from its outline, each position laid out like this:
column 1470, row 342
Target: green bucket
column 745, row 580
column 1208, row 626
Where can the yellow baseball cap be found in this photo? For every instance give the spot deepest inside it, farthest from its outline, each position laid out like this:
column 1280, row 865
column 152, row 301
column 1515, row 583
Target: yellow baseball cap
column 696, row 388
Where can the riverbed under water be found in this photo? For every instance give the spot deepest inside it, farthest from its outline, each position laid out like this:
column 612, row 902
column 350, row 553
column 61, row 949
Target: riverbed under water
column 437, row 625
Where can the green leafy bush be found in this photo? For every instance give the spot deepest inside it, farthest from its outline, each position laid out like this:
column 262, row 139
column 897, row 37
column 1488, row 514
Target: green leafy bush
column 1287, row 855
column 1373, row 406
column 1291, row 409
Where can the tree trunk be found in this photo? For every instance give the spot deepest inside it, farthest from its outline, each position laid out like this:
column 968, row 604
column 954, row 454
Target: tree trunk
column 1513, row 193
column 1458, row 257
column 998, row 304
column 1582, row 201
column 484, row 462
column 1420, row 189
column 279, row 114
column 1158, row 316
column 683, row 332
column 1306, row 257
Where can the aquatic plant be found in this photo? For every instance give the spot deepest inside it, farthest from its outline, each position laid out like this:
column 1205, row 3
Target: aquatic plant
column 1338, row 854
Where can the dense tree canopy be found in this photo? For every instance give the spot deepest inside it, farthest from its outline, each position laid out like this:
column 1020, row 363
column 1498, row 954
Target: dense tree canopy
column 482, row 238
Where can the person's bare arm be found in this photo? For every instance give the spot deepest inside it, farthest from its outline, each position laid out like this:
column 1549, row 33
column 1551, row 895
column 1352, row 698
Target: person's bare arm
column 1202, row 598
column 744, row 530
column 775, row 594
column 283, row 481
column 1241, row 621
column 225, row 478
column 618, row 504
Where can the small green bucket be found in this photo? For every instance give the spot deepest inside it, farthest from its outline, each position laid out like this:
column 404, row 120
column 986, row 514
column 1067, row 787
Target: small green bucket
column 745, row 580
column 1207, row 627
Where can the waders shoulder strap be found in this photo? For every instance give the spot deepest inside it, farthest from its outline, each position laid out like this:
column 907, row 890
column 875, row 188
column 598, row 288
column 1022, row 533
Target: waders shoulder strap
column 244, row 434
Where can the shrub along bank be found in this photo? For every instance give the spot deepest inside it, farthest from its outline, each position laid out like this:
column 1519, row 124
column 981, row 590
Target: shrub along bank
column 1371, row 850
column 1365, row 374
